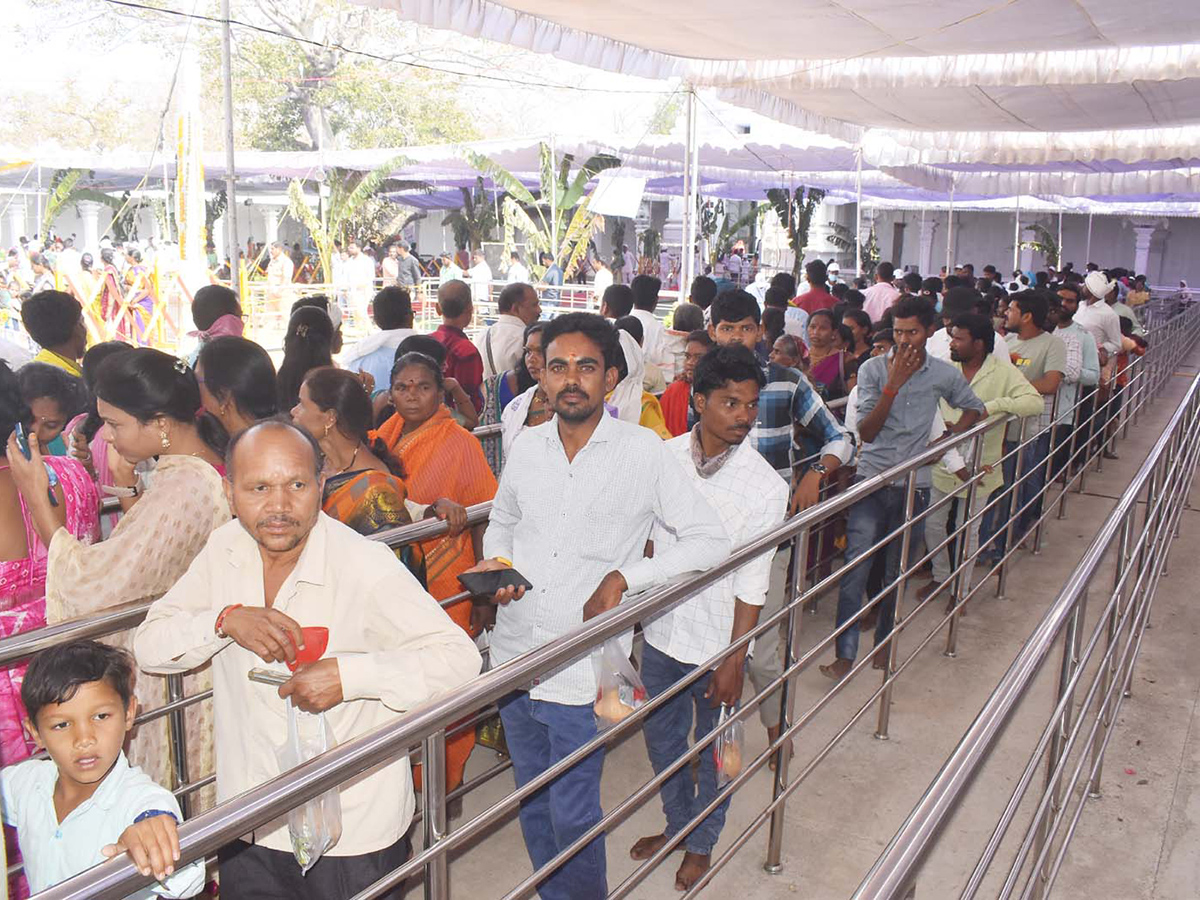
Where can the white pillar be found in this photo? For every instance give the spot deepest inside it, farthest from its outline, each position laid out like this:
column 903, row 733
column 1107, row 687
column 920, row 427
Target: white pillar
column 217, row 239
column 89, row 211
column 16, row 220
column 928, row 226
column 1141, row 247
column 270, row 220
column 1026, row 258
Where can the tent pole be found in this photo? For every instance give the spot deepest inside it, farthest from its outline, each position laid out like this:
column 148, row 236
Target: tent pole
column 695, row 141
column 858, row 263
column 1058, row 263
column 685, row 255
column 553, row 202
column 231, row 233
column 1088, row 252
column 1017, row 233
column 950, row 231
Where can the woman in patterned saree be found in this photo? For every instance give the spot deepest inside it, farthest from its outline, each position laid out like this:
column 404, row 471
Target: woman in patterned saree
column 150, row 404
column 440, row 459
column 364, row 483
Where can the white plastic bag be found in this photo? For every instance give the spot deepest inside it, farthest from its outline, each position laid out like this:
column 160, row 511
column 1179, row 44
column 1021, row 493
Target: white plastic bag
column 619, row 688
column 729, row 747
column 316, row 826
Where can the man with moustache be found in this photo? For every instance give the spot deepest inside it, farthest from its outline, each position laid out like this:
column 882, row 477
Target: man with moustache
column 572, row 514
column 391, row 647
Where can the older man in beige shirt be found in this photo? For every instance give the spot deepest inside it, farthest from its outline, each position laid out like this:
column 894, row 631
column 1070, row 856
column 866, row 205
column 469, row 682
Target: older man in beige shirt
column 391, row 647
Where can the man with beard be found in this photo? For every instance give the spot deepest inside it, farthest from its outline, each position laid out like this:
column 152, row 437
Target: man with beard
column 1003, row 390
column 573, row 512
column 750, row 499
column 390, row 648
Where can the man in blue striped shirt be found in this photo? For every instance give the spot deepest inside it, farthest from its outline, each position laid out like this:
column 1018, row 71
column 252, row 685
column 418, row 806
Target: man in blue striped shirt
column 787, row 407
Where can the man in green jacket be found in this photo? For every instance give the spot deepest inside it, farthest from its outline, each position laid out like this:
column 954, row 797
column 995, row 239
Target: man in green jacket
column 1003, row 390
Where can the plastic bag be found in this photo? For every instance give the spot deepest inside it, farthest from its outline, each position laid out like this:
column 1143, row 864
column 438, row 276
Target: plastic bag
column 619, row 688
column 729, row 747
column 316, row 826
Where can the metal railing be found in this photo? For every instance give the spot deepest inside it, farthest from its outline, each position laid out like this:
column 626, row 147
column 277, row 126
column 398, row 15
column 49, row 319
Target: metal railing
column 426, row 726
column 1099, row 653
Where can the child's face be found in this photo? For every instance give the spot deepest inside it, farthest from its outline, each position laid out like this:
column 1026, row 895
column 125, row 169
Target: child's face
column 84, row 735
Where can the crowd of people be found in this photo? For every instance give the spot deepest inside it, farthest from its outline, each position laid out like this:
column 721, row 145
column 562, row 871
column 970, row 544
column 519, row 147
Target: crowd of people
column 629, row 452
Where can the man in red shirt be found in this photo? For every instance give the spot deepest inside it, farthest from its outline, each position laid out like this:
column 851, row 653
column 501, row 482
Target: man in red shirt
column 817, row 296
column 463, row 362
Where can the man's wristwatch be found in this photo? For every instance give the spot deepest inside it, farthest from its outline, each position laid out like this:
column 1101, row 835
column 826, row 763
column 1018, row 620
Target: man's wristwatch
column 820, row 468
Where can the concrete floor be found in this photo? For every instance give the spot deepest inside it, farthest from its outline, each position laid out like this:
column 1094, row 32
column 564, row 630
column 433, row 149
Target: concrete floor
column 839, row 820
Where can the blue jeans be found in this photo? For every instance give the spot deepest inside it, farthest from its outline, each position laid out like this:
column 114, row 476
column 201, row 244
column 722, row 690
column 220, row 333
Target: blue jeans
column 666, row 733
column 995, row 520
column 539, row 734
column 869, row 520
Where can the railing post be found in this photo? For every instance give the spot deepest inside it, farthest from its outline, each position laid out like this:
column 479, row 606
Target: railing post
column 885, row 699
column 1110, row 670
column 177, row 727
column 1072, row 641
column 433, row 806
column 787, row 699
column 963, row 550
column 1013, row 502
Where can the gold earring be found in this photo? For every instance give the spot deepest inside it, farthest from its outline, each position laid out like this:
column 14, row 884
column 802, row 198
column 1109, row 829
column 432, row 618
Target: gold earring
column 328, row 425
column 166, row 441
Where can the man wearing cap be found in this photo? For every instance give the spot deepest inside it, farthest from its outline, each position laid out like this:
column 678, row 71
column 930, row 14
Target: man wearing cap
column 1097, row 318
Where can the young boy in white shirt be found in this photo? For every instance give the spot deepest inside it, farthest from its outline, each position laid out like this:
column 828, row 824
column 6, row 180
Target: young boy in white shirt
column 86, row 803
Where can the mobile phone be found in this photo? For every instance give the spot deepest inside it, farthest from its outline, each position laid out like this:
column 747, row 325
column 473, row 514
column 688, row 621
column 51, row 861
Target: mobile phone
column 23, row 441
column 485, row 584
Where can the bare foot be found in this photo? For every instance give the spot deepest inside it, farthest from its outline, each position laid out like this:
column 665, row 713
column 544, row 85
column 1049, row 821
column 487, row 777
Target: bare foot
column 838, row 670
column 772, row 737
column 694, row 865
column 646, row 847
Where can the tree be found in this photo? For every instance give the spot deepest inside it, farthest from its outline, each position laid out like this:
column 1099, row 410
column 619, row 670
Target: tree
column 1044, row 243
column 556, row 221
column 795, row 211
column 64, row 190
column 349, row 193
column 475, row 222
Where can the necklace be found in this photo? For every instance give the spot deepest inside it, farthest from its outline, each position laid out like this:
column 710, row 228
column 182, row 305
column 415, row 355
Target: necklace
column 349, row 464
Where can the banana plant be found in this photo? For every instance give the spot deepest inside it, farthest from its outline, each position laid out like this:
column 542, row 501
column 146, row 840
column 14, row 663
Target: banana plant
column 64, row 187
column 349, row 191
column 554, row 219
column 1044, row 243
column 795, row 211
column 475, row 222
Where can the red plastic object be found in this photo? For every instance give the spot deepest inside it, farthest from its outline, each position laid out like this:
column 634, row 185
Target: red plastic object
column 316, row 640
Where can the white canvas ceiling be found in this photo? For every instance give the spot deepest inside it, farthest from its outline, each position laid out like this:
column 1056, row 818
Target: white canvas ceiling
column 922, row 75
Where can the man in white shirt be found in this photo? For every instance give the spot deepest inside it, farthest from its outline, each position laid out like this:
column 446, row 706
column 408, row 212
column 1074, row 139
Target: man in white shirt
column 629, row 269
column 880, row 296
column 391, row 647
column 751, row 499
column 602, row 282
column 502, row 343
column 573, row 511
column 959, row 301
column 389, row 267
column 1098, row 319
column 480, row 276
column 1077, row 410
column 279, row 275
column 654, row 335
column 360, row 281
column 517, row 271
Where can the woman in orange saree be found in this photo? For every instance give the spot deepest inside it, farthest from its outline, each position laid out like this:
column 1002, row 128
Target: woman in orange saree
column 440, row 459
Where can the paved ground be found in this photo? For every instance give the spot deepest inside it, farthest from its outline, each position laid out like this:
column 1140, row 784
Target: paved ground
column 1141, row 840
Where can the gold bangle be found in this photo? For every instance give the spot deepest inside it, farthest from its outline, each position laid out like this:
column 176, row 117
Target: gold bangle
column 507, row 562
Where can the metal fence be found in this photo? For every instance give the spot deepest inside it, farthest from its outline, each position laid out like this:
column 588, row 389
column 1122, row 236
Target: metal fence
column 425, row 728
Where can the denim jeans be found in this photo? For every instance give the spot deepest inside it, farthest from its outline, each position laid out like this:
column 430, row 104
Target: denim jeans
column 666, row 733
column 995, row 521
column 539, row 734
column 869, row 520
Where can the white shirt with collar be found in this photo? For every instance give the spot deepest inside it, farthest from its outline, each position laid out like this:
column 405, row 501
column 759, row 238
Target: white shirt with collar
column 1102, row 323
column 55, row 851
column 501, row 344
column 751, row 499
column 938, row 346
column 567, row 524
column 518, row 273
column 396, row 648
column 653, row 339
